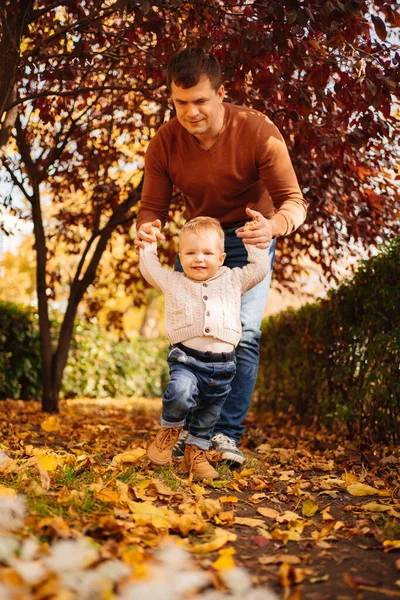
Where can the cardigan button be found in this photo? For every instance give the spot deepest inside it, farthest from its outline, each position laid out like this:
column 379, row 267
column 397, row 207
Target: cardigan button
column 208, row 313
column 205, row 285
column 207, row 330
column 205, row 297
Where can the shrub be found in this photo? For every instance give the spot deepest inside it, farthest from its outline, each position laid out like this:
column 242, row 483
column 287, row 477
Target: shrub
column 19, row 352
column 98, row 364
column 339, row 358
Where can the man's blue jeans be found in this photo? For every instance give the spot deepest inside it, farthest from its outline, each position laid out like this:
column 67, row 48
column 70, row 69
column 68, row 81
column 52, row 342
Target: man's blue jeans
column 238, row 402
column 199, row 384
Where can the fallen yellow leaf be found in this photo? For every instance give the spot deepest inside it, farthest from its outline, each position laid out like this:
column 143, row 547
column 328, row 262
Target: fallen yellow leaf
column 145, row 513
column 130, row 457
column 389, row 545
column 108, row 496
column 257, row 498
column 309, row 508
column 222, row 536
column 349, row 478
column 209, row 507
column 249, row 522
column 270, row 513
column 376, row 507
column 51, row 424
column 264, row 533
column 229, row 499
column 326, row 514
column 48, row 462
column 290, row 559
column 286, row 536
column 247, row 472
column 362, row 489
column 287, row 517
column 223, row 562
column 7, row 492
column 161, row 488
column 187, row 522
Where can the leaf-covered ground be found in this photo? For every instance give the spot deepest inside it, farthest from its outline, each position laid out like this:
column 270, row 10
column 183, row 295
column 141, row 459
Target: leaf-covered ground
column 83, row 515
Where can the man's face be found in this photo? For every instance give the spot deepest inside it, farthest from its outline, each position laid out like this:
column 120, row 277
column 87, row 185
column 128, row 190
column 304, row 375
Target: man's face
column 201, row 255
column 198, row 109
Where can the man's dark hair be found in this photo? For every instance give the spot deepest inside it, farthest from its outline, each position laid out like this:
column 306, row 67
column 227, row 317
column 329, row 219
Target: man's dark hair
column 189, row 65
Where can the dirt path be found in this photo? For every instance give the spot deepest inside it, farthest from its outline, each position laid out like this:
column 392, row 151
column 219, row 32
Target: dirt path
column 312, row 515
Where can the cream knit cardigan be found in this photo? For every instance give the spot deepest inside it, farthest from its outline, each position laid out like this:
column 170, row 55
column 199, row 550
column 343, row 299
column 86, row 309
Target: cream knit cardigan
column 203, row 308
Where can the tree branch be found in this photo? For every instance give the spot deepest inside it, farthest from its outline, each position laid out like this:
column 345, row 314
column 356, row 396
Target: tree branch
column 15, row 180
column 86, row 90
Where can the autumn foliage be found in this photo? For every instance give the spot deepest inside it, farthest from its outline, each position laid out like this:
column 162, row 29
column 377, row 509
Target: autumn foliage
column 83, row 91
column 342, row 362
column 84, row 515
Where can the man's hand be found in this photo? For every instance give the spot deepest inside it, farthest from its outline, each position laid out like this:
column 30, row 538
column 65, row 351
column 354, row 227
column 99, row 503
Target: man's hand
column 148, row 232
column 259, row 231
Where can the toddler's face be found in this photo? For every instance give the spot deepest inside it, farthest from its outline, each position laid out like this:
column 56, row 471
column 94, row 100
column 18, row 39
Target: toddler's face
column 201, row 255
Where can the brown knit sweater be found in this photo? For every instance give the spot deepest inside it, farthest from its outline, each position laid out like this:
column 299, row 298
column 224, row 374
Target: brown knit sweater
column 248, row 165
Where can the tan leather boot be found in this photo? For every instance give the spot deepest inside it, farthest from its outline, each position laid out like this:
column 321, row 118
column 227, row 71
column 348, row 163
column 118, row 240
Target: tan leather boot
column 195, row 461
column 160, row 450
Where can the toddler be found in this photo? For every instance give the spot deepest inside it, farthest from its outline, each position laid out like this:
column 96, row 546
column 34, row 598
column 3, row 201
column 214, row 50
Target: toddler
column 202, row 324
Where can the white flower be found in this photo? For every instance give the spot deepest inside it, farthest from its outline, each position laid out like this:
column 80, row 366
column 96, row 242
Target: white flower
column 237, row 580
column 149, row 589
column 32, row 572
column 71, row 555
column 114, row 570
column 8, row 547
column 87, row 585
column 190, row 581
column 29, row 549
column 12, row 512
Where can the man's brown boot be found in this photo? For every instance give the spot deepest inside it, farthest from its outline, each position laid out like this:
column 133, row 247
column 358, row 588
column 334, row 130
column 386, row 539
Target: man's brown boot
column 160, row 450
column 195, row 461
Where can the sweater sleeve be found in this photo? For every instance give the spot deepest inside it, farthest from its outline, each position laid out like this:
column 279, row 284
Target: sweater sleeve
column 157, row 187
column 276, row 170
column 257, row 269
column 151, row 268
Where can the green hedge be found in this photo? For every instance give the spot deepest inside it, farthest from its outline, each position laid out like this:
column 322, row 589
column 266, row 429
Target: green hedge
column 339, row 359
column 98, row 364
column 19, row 352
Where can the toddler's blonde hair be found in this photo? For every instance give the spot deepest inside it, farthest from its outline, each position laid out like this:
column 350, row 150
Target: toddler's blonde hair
column 203, row 225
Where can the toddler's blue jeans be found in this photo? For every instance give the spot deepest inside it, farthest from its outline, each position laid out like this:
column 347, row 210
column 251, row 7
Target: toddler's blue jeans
column 199, row 384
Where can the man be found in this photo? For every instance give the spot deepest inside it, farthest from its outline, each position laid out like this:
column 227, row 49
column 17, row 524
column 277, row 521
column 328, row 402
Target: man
column 223, row 158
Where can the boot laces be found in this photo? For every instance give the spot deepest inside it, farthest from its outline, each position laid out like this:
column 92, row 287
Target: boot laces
column 166, row 437
column 198, row 457
column 223, row 439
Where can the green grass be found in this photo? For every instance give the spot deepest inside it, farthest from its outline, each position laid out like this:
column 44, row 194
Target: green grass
column 224, row 470
column 73, row 479
column 390, row 527
column 42, row 507
column 130, row 476
column 167, row 475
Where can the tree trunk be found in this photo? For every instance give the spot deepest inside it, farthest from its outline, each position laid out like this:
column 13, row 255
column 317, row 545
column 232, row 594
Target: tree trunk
column 49, row 402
